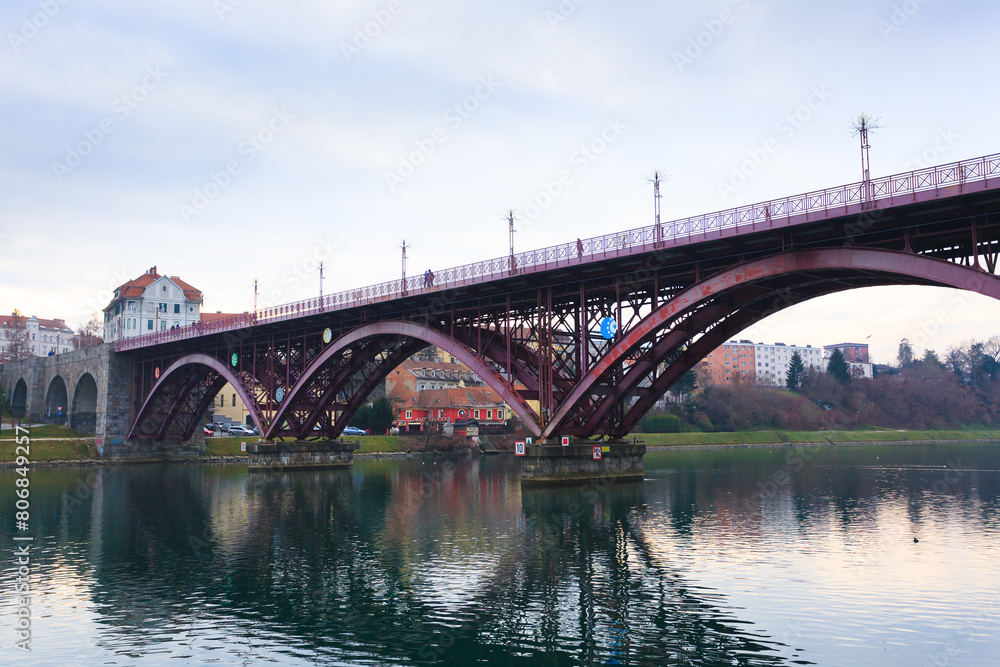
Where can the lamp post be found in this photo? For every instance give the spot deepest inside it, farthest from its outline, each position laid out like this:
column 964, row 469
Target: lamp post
column 510, row 223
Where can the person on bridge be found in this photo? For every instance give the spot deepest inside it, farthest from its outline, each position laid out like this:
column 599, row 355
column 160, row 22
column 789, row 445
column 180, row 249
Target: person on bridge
column 579, row 248
column 428, row 278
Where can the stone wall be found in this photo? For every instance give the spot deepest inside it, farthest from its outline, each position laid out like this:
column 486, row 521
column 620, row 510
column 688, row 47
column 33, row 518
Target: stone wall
column 111, row 419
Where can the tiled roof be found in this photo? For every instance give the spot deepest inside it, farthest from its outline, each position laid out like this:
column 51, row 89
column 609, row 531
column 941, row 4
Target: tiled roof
column 212, row 317
column 190, row 293
column 458, row 397
column 8, row 320
column 137, row 287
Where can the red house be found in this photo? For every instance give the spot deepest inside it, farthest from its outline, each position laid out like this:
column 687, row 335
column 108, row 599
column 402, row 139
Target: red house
column 432, row 408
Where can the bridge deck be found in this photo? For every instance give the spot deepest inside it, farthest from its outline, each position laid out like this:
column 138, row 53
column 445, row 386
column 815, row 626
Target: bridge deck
column 855, row 199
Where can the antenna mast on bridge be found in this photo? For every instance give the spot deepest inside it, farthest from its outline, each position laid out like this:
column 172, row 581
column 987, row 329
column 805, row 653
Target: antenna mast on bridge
column 861, row 127
column 404, row 267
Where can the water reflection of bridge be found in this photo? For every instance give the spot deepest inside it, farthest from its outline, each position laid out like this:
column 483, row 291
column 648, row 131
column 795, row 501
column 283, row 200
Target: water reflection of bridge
column 406, row 561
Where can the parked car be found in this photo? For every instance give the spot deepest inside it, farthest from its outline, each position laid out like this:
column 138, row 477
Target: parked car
column 208, row 431
column 224, row 427
column 240, row 430
column 211, row 426
column 354, row 430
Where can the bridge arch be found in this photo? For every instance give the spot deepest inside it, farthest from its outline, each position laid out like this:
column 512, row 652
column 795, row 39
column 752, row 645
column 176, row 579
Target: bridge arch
column 56, row 401
column 180, row 396
column 19, row 399
column 393, row 341
column 711, row 311
column 83, row 417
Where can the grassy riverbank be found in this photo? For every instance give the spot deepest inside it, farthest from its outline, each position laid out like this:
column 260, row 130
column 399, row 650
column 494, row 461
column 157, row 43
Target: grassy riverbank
column 819, row 437
column 83, row 449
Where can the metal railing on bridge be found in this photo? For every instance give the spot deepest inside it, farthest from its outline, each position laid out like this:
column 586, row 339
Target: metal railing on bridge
column 643, row 239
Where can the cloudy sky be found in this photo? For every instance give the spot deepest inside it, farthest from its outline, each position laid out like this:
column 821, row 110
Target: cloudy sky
column 231, row 140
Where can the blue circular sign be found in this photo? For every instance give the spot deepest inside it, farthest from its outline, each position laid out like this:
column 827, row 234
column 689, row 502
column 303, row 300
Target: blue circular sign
column 279, row 394
column 609, row 328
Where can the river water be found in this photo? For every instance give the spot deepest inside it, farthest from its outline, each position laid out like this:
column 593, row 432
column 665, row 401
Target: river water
column 720, row 557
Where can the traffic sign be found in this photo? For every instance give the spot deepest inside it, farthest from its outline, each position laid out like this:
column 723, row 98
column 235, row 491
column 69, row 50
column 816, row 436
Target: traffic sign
column 609, row 328
column 565, row 441
column 597, row 454
column 518, row 448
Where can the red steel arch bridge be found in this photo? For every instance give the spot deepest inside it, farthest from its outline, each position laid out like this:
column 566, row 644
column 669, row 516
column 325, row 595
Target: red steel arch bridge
column 530, row 324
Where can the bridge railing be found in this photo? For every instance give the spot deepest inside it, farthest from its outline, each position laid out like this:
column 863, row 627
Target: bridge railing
column 877, row 191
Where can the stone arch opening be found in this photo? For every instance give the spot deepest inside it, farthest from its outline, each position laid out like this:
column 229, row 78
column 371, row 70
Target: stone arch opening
column 19, row 400
column 56, row 402
column 84, row 414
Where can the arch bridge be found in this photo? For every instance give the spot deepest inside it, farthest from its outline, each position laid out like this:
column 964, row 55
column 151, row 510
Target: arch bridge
column 530, row 325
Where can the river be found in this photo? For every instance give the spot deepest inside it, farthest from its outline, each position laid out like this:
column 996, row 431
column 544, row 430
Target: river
column 764, row 556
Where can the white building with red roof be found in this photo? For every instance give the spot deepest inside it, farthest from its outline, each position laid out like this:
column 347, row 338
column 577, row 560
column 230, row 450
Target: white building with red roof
column 44, row 337
column 151, row 303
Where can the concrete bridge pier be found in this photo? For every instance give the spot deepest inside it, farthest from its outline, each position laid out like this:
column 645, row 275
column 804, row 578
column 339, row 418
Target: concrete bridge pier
column 302, row 455
column 581, row 461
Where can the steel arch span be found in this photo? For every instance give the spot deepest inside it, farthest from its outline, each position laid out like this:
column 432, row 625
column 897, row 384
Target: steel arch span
column 647, row 359
column 345, row 373
column 182, row 394
column 316, row 402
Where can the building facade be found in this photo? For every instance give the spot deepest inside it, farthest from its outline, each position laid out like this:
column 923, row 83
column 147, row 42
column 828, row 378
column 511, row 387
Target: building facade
column 433, row 408
column 746, row 361
column 856, row 356
column 43, row 338
column 151, row 303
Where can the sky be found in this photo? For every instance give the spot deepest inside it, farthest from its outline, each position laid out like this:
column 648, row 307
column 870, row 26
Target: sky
column 227, row 141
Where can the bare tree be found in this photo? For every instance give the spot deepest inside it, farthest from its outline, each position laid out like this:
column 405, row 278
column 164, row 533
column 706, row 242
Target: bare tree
column 15, row 344
column 87, row 334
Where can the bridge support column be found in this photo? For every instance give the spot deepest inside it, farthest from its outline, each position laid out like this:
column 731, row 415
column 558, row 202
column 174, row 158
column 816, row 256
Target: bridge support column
column 580, row 462
column 302, row 455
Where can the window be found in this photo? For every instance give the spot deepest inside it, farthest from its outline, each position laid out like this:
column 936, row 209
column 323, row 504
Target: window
column 489, row 414
column 131, row 306
column 440, row 414
column 163, row 325
column 234, row 400
column 475, row 414
column 499, row 414
column 163, row 307
column 149, row 325
column 409, row 414
column 222, row 400
column 177, row 308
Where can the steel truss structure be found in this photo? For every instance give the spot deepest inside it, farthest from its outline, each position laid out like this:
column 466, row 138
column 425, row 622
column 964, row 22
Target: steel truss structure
column 586, row 345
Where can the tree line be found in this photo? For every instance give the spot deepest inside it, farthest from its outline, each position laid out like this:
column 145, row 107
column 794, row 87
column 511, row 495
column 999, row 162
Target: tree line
column 921, row 391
